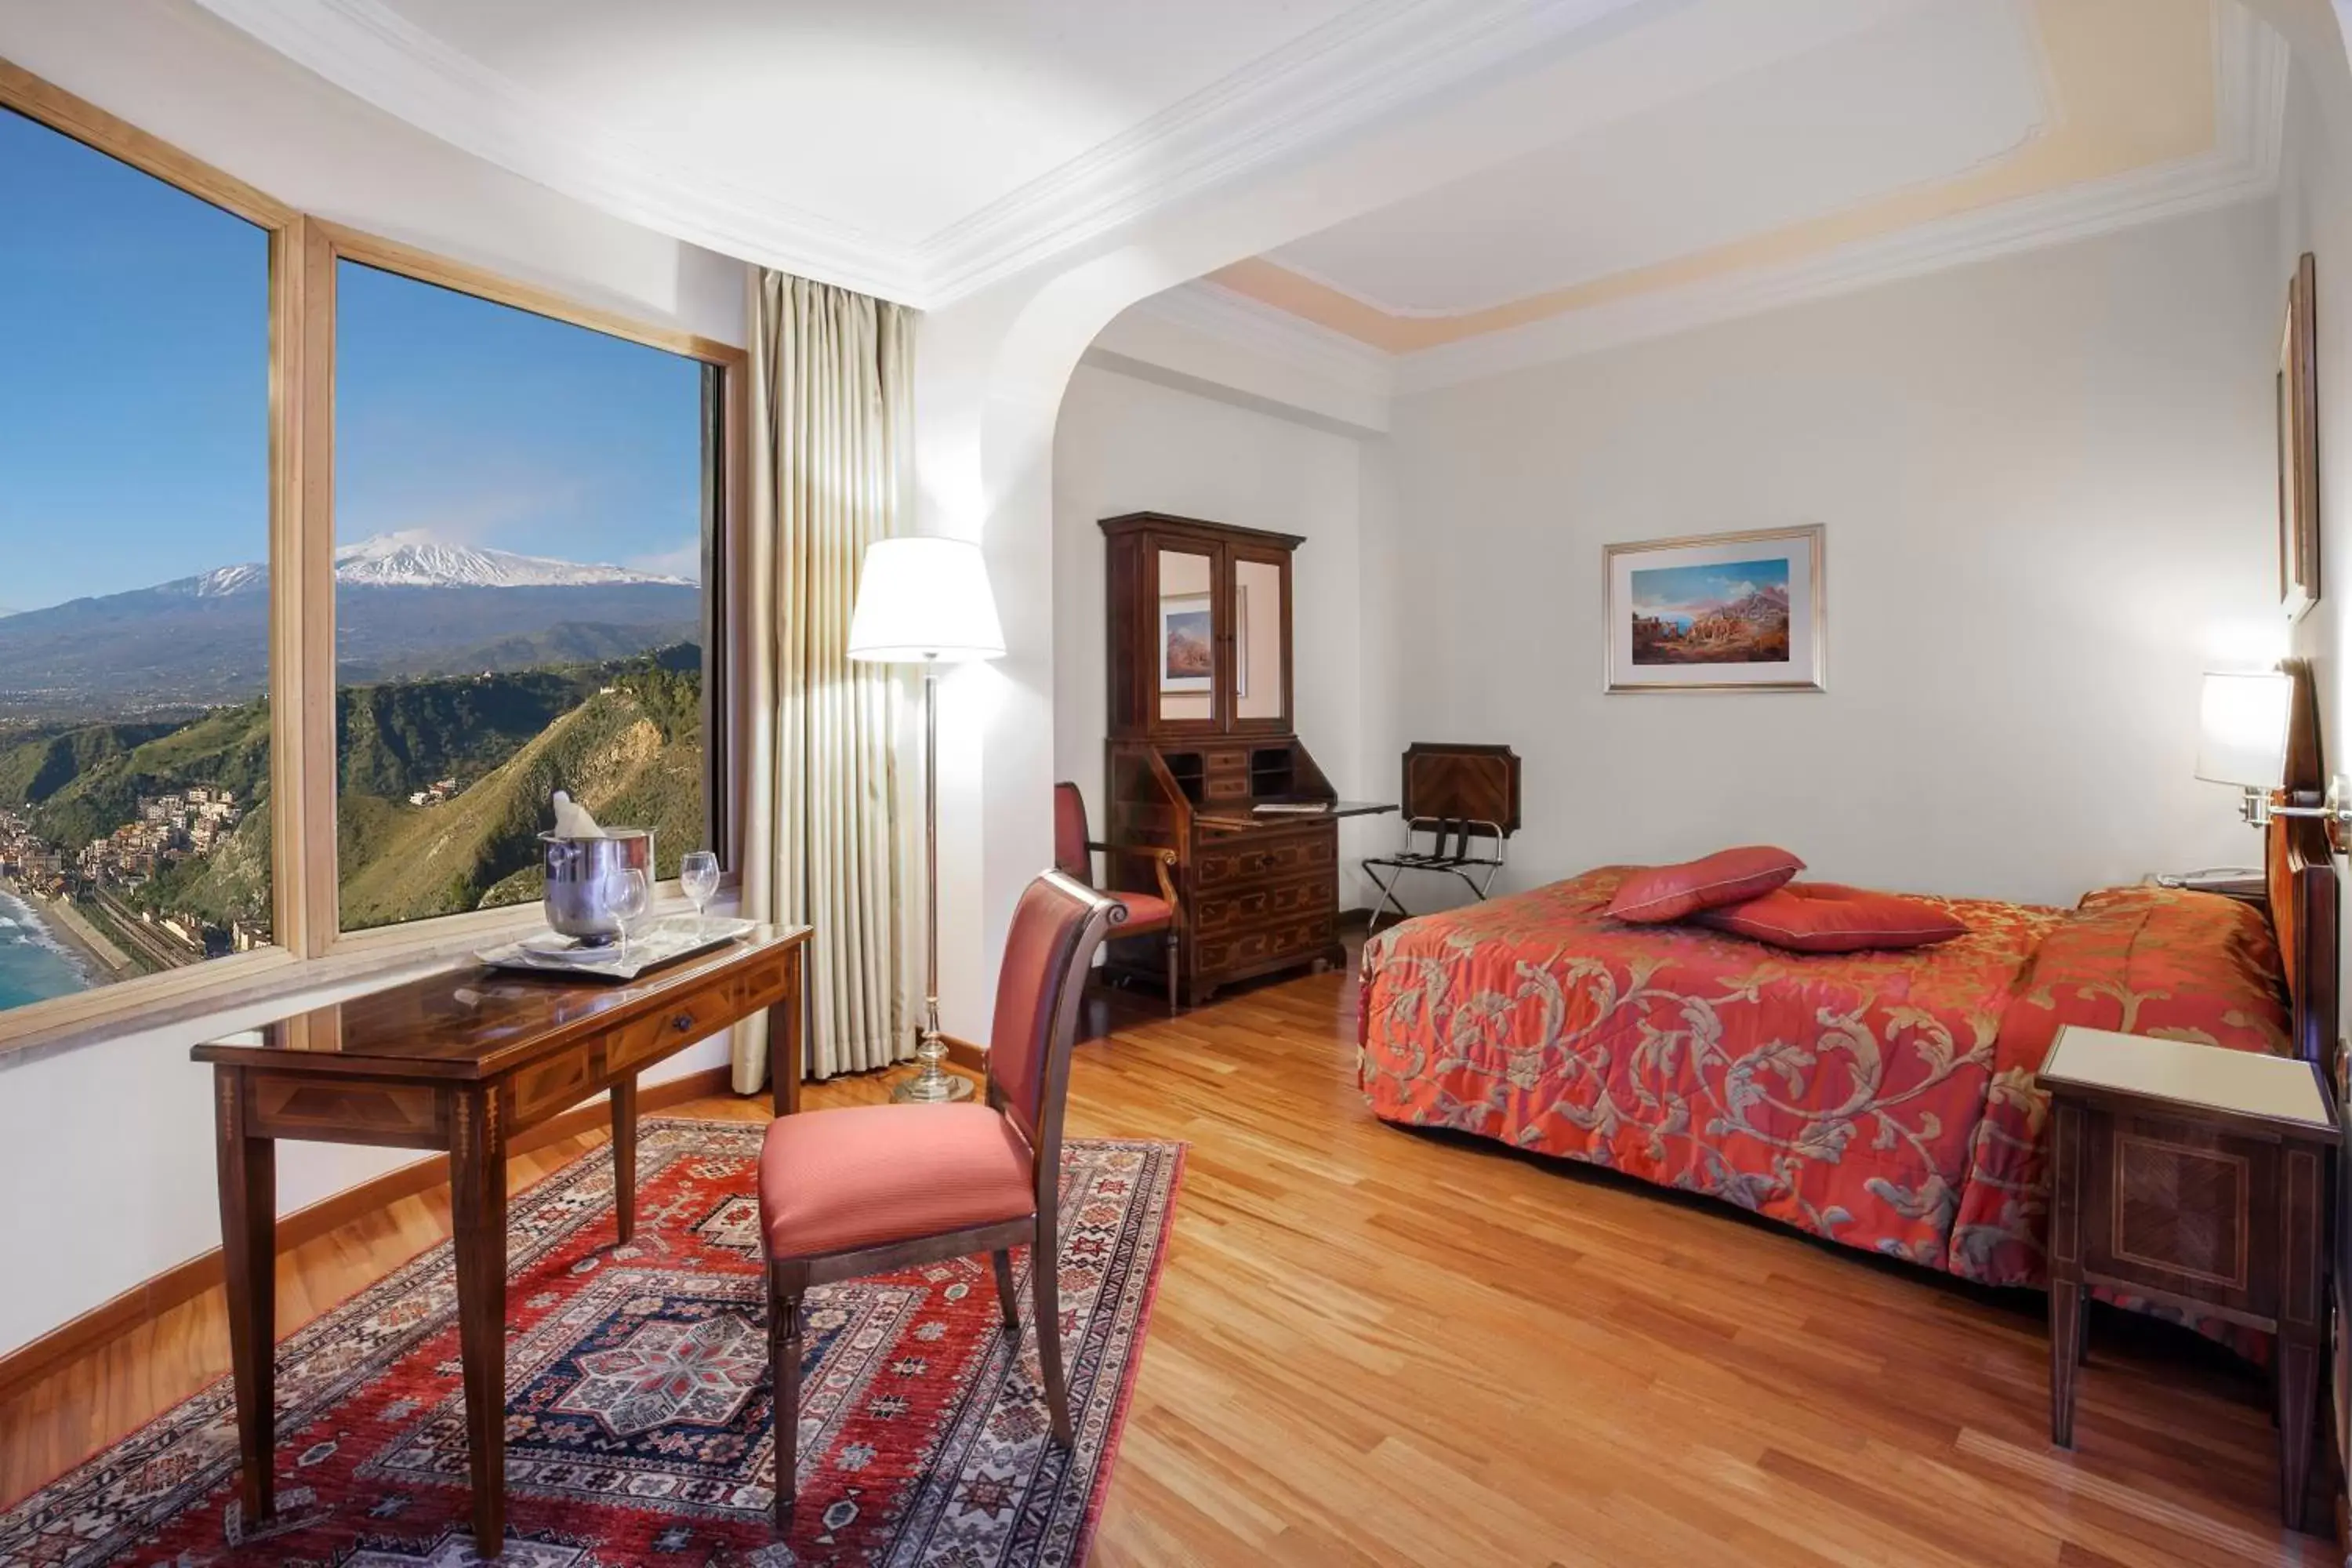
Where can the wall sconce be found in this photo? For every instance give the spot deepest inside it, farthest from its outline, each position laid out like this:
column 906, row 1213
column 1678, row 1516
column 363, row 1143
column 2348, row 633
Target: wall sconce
column 2242, row 740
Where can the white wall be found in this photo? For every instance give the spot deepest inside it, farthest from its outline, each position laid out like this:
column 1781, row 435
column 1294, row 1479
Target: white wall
column 2047, row 484
column 2314, row 214
column 106, row 1147
column 1124, row 445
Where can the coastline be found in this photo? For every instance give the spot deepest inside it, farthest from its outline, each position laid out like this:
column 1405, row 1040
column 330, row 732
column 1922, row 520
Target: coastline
column 101, row 961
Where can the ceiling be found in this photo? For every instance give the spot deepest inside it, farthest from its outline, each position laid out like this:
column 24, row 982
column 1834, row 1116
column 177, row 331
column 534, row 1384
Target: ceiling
column 1915, row 99
column 1956, row 129
column 1473, row 170
column 915, row 149
column 893, row 118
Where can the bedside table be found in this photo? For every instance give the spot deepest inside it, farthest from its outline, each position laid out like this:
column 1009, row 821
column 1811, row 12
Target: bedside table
column 2197, row 1177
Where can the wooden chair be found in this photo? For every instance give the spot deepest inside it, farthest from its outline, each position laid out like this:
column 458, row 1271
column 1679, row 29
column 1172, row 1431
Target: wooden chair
column 869, row 1189
column 1074, row 856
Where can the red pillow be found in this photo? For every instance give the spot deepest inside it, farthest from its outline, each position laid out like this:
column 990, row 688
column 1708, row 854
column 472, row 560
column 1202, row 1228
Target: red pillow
column 1666, row 893
column 1822, row 917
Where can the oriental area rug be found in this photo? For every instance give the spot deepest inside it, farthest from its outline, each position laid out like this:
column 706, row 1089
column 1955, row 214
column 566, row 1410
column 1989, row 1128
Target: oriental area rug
column 638, row 1408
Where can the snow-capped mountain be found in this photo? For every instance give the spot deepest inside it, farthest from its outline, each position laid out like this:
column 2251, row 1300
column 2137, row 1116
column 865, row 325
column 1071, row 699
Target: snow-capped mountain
column 420, row 560
column 413, row 607
column 222, row 581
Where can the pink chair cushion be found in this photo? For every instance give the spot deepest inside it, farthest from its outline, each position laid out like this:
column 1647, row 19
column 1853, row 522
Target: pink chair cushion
column 1071, row 857
column 1145, row 913
column 868, row 1176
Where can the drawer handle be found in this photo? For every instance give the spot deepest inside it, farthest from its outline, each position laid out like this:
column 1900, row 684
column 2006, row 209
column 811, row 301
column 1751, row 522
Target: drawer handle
column 682, row 1023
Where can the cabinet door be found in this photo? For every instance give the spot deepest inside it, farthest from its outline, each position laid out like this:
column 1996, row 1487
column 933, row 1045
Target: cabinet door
column 1257, row 611
column 1187, row 632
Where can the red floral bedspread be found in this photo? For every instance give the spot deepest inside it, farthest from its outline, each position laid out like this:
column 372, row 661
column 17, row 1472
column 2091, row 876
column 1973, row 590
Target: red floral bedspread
column 1881, row 1099
column 2145, row 959
column 1838, row 1092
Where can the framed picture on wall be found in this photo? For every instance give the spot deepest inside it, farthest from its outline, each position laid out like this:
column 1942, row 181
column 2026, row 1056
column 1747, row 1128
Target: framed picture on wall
column 2298, row 446
column 1187, row 643
column 1717, row 612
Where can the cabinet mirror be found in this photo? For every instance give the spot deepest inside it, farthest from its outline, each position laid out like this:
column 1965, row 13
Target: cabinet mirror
column 1187, row 643
column 1261, row 684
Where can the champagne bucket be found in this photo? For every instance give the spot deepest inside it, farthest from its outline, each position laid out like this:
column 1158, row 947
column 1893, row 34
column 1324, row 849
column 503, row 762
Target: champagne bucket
column 578, row 871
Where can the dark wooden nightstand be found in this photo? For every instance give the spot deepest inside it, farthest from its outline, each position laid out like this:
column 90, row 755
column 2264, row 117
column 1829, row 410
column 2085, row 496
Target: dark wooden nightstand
column 2197, row 1177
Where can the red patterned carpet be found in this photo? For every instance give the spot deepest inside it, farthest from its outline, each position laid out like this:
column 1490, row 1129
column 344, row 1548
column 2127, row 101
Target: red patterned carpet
column 637, row 1399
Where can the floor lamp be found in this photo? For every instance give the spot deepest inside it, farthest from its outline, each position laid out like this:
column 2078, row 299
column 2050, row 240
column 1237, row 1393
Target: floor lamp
column 926, row 601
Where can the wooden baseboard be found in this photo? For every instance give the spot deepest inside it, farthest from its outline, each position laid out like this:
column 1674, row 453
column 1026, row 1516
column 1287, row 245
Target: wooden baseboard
column 1352, row 919
column 151, row 1300
column 965, row 1054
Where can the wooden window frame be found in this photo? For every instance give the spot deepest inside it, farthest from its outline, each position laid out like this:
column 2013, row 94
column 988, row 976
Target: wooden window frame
column 310, row 947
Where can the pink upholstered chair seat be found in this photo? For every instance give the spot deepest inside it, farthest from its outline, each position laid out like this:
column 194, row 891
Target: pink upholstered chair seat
column 1145, row 913
column 868, row 1176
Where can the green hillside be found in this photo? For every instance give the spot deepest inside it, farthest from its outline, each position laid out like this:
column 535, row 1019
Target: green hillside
column 228, row 747
column 35, row 767
column 403, row 862
column 623, row 736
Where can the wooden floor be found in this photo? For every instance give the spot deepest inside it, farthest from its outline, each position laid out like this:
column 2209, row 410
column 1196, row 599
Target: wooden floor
column 1373, row 1346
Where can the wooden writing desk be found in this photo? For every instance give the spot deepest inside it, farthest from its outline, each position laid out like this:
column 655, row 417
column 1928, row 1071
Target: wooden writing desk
column 460, row 1060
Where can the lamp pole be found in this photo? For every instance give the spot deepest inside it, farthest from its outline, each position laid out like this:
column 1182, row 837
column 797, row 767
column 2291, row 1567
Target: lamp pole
column 932, row 1084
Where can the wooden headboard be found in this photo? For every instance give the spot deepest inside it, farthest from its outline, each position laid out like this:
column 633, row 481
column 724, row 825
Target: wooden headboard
column 2300, row 867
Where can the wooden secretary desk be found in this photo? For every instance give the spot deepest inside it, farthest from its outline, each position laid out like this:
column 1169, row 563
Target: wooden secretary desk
column 1202, row 759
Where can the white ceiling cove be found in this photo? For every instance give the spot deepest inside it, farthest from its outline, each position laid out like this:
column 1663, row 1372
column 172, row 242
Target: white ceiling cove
column 892, row 117
column 1917, row 99
column 916, row 149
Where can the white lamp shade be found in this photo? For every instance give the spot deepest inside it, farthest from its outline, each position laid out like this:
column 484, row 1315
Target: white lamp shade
column 924, row 601
column 2242, row 729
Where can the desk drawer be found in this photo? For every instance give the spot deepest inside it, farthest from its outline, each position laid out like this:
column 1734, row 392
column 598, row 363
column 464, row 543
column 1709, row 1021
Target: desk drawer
column 337, row 1109
column 1295, row 938
column 1219, row 864
column 1243, row 908
column 562, row 1081
column 768, row 982
column 679, row 1023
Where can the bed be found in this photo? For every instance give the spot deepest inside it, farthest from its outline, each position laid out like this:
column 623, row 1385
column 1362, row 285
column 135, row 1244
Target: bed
column 1884, row 1100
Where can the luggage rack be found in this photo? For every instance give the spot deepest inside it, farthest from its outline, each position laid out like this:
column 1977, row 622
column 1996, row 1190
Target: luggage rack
column 1461, row 806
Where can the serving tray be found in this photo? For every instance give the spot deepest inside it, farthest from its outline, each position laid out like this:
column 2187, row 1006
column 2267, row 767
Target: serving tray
column 665, row 942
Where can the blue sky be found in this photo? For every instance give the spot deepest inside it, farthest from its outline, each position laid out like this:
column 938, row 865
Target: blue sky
column 134, row 385
column 1684, row 591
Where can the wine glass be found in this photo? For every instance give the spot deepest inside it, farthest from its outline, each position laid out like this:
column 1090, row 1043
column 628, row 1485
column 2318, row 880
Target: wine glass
column 627, row 894
column 698, row 875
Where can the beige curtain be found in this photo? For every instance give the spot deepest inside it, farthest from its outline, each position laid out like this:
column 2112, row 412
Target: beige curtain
column 829, row 837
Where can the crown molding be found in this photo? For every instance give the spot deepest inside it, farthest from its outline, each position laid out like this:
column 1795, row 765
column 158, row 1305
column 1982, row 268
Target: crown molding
column 2251, row 65
column 1353, row 71
column 1202, row 306
column 1360, row 67
column 370, row 50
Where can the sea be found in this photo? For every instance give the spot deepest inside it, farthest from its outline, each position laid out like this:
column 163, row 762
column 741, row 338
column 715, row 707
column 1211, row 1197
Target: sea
column 33, row 966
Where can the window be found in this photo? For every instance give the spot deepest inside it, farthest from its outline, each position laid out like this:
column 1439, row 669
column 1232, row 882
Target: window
column 135, row 725
column 323, row 562
column 523, row 509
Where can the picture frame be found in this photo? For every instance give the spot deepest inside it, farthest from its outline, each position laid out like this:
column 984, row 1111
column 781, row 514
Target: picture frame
column 1716, row 612
column 2297, row 415
column 1187, row 660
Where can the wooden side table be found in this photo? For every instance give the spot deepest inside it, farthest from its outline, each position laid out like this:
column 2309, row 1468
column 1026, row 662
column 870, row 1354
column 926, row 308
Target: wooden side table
column 2197, row 1177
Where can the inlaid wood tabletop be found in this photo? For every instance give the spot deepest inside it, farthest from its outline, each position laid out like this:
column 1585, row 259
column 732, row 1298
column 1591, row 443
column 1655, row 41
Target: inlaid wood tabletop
column 474, row 1022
